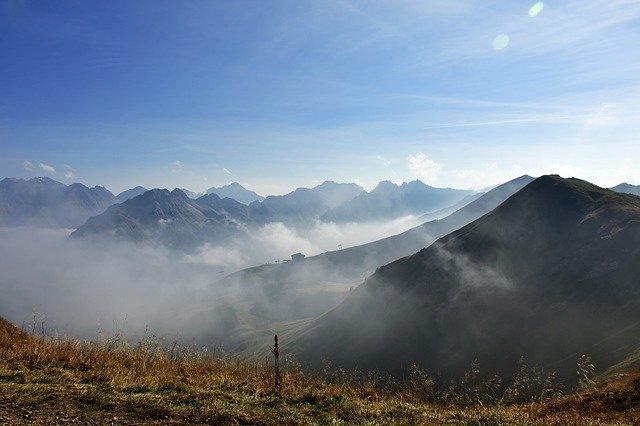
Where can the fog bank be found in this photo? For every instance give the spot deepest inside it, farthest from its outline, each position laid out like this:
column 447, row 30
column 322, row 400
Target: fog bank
column 81, row 287
column 276, row 241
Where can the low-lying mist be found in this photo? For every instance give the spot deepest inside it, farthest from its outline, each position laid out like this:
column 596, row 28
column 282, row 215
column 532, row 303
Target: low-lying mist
column 84, row 287
column 80, row 287
column 276, row 241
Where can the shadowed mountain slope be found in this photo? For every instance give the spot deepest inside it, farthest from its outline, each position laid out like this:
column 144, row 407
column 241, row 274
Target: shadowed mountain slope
column 550, row 274
column 44, row 202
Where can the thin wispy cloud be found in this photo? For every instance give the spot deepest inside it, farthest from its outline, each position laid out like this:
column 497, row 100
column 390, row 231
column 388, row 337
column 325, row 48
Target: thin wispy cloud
column 26, row 165
column 603, row 115
column 475, row 103
column 69, row 172
column 317, row 91
column 177, row 166
column 47, row 168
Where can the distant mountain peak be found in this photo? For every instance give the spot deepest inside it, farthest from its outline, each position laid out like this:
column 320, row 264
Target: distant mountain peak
column 416, row 184
column 331, row 183
column 384, row 185
column 235, row 191
column 130, row 193
column 627, row 188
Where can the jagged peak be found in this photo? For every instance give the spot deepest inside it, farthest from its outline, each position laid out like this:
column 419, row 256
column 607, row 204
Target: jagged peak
column 385, row 184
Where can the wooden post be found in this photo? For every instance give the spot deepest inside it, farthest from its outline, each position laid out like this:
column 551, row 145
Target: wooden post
column 276, row 353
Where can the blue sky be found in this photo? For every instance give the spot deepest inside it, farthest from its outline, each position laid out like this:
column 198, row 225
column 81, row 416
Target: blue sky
column 281, row 94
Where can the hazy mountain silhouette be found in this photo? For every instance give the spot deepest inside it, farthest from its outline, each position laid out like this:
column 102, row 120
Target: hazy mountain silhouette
column 130, row 193
column 388, row 201
column 237, row 192
column 550, row 274
column 44, row 202
column 169, row 218
column 191, row 194
column 304, row 204
column 627, row 189
column 177, row 221
column 442, row 213
column 351, row 265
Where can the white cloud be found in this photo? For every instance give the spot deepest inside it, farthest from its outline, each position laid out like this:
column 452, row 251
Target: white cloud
column 276, row 241
column 28, row 166
column 47, row 168
column 283, row 240
column 423, row 167
column 224, row 169
column 177, row 167
column 69, row 172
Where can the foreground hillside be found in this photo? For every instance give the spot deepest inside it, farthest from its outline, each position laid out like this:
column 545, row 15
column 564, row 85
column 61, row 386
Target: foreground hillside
column 60, row 382
column 550, row 274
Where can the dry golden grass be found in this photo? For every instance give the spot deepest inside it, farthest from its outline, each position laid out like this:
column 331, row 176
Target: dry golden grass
column 51, row 381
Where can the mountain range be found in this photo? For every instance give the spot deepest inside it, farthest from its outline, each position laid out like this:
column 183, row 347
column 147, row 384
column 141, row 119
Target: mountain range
column 304, row 205
column 177, row 221
column 550, row 274
column 44, row 202
column 388, row 201
column 169, row 218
